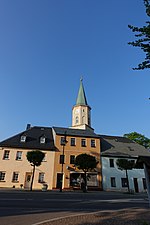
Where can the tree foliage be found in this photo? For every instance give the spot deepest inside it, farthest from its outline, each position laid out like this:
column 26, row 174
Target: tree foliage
column 139, row 138
column 85, row 163
column 35, row 158
column 142, row 41
column 125, row 164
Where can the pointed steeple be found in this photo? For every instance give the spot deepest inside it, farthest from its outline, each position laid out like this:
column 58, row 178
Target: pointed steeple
column 81, row 99
column 81, row 115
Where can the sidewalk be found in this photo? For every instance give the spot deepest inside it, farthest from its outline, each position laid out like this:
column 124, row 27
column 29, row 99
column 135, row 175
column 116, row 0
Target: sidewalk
column 119, row 217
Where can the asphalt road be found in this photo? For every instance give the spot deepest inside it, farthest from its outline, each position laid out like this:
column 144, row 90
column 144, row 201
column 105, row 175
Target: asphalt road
column 28, row 208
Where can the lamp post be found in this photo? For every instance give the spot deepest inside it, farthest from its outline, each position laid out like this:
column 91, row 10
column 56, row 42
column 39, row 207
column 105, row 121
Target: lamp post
column 63, row 143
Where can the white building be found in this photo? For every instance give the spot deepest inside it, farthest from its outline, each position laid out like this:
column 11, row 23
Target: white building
column 112, row 148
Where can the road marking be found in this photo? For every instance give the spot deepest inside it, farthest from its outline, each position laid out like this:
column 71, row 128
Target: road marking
column 59, row 218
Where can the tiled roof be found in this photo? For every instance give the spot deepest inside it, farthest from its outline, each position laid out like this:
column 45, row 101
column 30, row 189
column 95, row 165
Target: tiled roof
column 121, row 147
column 32, row 139
column 81, row 99
column 75, row 132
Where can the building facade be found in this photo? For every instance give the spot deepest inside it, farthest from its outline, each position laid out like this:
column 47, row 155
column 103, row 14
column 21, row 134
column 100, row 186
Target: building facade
column 61, row 146
column 113, row 148
column 57, row 167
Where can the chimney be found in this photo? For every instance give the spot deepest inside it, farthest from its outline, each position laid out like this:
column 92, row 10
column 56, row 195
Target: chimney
column 28, row 126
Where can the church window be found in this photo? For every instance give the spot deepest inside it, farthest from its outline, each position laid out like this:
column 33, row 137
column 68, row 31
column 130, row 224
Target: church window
column 77, row 119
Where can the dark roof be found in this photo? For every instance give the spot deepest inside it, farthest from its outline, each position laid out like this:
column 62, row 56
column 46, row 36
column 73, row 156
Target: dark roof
column 32, row 139
column 75, row 132
column 116, row 146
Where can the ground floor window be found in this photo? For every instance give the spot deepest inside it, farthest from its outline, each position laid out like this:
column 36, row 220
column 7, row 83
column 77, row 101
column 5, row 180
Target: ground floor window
column 15, row 177
column 2, row 175
column 77, row 178
column 113, row 181
column 124, row 182
column 41, row 177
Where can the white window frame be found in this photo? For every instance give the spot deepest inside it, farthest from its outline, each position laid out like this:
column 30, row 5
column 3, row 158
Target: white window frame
column 83, row 142
column 2, row 175
column 6, row 154
column 72, row 141
column 19, row 155
column 93, row 143
column 15, row 177
column 23, row 138
column 42, row 140
column 41, row 177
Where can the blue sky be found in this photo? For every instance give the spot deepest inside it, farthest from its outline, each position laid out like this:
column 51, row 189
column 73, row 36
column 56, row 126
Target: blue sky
column 47, row 45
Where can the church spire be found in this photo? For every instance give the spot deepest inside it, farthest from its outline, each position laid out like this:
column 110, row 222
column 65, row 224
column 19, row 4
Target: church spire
column 81, row 116
column 81, row 99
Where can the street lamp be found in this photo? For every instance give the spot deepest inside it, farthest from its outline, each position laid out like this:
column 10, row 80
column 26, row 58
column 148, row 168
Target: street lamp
column 63, row 143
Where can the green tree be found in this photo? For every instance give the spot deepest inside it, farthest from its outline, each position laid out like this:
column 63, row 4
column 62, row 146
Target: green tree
column 142, row 35
column 35, row 158
column 139, row 138
column 85, row 163
column 125, row 164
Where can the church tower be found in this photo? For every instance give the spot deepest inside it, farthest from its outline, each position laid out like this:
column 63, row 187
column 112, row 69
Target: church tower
column 81, row 112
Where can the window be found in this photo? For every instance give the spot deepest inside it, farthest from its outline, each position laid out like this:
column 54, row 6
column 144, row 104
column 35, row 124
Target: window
column 113, row 182
column 77, row 120
column 62, row 159
column 83, row 142
column 124, row 182
column 15, row 177
column 111, row 162
column 42, row 140
column 41, row 177
column 2, row 176
column 72, row 159
column 63, row 141
column 23, row 138
column 44, row 159
column 19, row 155
column 72, row 141
column 93, row 143
column 6, row 154
column 144, row 183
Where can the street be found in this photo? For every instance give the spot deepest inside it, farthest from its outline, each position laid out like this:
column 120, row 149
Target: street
column 27, row 208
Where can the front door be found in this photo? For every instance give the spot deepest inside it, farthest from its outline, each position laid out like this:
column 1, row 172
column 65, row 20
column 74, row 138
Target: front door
column 59, row 180
column 27, row 183
column 136, row 185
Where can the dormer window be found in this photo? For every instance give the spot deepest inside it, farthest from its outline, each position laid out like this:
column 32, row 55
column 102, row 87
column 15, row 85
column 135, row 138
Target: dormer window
column 42, row 140
column 23, row 138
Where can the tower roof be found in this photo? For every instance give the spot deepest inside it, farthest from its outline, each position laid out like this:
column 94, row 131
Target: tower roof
column 81, row 99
